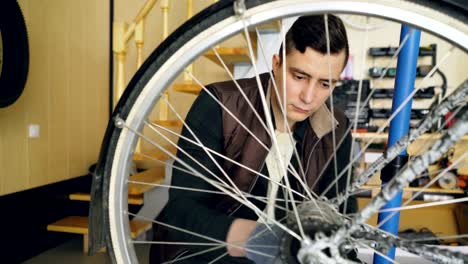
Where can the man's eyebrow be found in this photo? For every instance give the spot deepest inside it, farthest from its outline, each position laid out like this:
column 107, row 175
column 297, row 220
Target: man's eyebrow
column 310, row 76
column 332, row 80
column 301, row 72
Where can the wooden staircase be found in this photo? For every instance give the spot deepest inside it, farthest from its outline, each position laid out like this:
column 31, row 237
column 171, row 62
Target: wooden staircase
column 153, row 161
column 140, row 184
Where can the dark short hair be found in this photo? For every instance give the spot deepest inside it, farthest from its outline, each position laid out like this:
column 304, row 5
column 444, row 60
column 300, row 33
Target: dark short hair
column 309, row 31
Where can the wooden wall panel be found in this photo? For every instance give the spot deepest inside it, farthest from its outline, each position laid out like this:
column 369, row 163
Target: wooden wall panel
column 36, row 93
column 15, row 148
column 77, row 121
column 57, row 79
column 97, row 71
column 66, row 94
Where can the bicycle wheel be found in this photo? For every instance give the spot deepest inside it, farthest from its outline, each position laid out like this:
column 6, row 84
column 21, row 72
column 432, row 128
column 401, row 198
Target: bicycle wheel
column 204, row 31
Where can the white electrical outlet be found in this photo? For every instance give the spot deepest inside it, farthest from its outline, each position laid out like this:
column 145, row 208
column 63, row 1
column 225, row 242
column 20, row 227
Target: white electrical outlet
column 34, row 131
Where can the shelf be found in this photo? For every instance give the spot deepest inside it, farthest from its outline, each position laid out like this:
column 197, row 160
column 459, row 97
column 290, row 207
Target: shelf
column 417, row 189
column 386, row 103
column 155, row 154
column 152, row 158
column 272, row 26
column 380, row 136
column 86, row 197
column 152, row 176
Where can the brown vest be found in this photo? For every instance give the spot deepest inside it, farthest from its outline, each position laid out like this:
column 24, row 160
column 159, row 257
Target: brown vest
column 239, row 145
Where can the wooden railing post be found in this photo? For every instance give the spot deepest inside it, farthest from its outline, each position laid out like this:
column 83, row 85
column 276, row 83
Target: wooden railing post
column 163, row 107
column 165, row 15
column 189, row 68
column 120, row 51
column 139, row 32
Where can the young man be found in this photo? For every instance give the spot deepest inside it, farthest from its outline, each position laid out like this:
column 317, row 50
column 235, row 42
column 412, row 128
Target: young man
column 308, row 86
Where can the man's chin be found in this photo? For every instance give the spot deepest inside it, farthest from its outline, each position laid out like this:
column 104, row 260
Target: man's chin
column 297, row 118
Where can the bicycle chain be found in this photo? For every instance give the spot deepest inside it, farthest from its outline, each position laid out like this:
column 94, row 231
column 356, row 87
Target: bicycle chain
column 377, row 240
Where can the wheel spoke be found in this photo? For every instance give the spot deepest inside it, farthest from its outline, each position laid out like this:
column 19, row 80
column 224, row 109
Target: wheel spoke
column 271, row 128
column 302, row 181
column 152, row 125
column 449, row 103
column 358, row 101
column 459, row 129
column 418, row 206
column 218, row 258
column 366, row 102
column 198, row 235
column 194, row 254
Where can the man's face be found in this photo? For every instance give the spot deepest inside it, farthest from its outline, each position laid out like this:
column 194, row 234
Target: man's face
column 307, row 81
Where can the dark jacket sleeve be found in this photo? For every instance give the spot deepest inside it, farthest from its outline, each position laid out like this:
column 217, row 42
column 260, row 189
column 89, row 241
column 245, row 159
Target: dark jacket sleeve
column 194, row 210
column 343, row 159
column 343, row 155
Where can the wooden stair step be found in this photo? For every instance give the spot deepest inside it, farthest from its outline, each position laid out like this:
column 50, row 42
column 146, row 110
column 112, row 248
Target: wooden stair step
column 79, row 225
column 152, row 158
column 86, row 197
column 187, row 87
column 169, row 123
column 155, row 154
column 154, row 175
column 230, row 56
column 272, row 26
column 70, row 224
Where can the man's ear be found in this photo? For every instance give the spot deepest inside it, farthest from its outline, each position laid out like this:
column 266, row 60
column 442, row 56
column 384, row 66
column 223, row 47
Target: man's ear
column 275, row 63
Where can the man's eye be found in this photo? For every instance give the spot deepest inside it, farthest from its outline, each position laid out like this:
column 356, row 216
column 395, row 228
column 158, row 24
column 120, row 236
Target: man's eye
column 299, row 77
column 325, row 84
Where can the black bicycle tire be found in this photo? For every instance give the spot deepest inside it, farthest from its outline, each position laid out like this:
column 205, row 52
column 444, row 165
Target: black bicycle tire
column 15, row 63
column 197, row 24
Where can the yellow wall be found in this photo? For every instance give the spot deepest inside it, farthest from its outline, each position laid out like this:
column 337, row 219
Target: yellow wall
column 66, row 94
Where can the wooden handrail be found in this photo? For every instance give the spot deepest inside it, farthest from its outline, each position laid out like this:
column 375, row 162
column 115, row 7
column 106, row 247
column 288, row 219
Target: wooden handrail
column 122, row 35
column 140, row 17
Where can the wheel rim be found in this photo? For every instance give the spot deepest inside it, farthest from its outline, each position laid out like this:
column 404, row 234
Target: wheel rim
column 198, row 45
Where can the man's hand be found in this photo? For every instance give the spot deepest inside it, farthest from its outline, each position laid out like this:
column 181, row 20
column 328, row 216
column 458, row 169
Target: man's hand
column 263, row 242
column 238, row 234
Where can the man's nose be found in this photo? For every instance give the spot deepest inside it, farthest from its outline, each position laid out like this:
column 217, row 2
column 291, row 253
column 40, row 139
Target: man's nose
column 308, row 93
